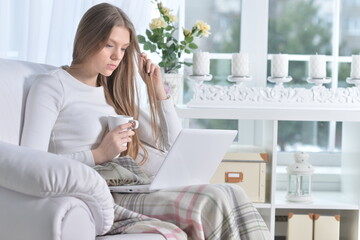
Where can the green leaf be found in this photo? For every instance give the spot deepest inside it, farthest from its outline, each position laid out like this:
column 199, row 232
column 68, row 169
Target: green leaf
column 161, row 64
column 187, row 64
column 157, row 31
column 148, row 33
column 193, row 46
column 153, row 39
column 141, row 38
column 166, row 18
column 173, row 56
column 161, row 45
column 186, row 50
column 189, row 39
column 153, row 48
column 169, row 28
column 172, row 48
column 147, row 46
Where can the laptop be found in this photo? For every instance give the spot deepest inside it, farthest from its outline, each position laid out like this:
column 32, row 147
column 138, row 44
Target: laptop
column 192, row 159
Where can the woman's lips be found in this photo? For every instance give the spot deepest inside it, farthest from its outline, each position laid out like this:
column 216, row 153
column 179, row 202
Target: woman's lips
column 112, row 66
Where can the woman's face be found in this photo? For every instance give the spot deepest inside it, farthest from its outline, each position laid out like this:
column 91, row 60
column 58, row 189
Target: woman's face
column 109, row 58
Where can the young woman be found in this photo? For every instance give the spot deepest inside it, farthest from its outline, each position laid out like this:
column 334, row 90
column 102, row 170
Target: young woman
column 66, row 114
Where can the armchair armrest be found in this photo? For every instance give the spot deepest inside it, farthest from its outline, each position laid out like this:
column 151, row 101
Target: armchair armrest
column 32, row 218
column 42, row 174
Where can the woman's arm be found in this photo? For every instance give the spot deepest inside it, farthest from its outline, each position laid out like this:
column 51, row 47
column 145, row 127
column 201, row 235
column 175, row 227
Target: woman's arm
column 43, row 105
column 169, row 125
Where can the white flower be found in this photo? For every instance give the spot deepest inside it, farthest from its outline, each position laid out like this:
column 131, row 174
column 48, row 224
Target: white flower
column 172, row 18
column 157, row 23
column 203, row 27
column 164, row 10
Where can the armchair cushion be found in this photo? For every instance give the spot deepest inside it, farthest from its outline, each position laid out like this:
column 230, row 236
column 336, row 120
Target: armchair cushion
column 43, row 174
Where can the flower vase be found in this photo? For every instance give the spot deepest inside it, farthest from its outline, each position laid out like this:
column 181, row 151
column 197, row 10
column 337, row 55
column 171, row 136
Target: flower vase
column 174, row 85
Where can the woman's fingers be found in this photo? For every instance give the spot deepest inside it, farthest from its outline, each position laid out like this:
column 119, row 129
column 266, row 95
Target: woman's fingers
column 125, row 134
column 122, row 127
column 122, row 135
column 149, row 66
column 113, row 143
column 121, row 139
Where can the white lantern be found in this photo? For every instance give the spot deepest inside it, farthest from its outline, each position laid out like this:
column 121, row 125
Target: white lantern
column 299, row 179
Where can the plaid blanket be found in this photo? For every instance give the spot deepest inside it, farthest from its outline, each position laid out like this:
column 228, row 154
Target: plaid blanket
column 198, row 212
column 201, row 211
column 122, row 171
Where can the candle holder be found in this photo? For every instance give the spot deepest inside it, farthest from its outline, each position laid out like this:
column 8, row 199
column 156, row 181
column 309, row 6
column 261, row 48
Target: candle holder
column 279, row 81
column 299, row 179
column 319, row 81
column 200, row 78
column 239, row 79
column 355, row 81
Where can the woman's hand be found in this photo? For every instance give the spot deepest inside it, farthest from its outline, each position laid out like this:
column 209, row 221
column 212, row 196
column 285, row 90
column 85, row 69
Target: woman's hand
column 153, row 70
column 113, row 143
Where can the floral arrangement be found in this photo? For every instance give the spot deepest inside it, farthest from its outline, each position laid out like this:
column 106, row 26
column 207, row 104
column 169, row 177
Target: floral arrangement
column 160, row 39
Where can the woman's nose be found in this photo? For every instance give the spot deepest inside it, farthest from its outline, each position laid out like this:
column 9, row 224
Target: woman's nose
column 117, row 55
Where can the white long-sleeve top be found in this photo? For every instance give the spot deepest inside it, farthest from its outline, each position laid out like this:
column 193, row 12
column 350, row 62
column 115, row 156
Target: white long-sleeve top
column 67, row 117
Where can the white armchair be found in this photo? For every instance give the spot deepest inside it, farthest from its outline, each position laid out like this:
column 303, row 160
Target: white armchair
column 44, row 196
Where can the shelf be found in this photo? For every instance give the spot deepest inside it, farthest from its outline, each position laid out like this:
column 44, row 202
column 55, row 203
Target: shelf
column 321, row 200
column 326, row 113
column 334, row 186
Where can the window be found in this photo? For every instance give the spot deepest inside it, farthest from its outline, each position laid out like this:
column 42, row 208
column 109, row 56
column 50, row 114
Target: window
column 224, row 19
column 349, row 28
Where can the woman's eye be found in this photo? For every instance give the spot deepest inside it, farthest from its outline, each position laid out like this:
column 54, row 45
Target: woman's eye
column 123, row 49
column 108, row 45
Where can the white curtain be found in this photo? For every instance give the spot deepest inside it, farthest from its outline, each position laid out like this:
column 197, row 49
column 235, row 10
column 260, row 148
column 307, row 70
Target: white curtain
column 43, row 30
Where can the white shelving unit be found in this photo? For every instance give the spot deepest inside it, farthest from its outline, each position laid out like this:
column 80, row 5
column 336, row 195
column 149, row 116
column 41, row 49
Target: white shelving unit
column 345, row 202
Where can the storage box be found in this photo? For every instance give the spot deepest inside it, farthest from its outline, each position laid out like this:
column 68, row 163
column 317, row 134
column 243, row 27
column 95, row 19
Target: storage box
column 300, row 226
column 326, row 227
column 247, row 169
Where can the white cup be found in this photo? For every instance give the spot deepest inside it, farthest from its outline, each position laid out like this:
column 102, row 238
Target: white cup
column 116, row 120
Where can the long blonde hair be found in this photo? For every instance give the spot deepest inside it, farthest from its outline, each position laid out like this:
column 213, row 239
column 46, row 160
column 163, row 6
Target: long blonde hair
column 120, row 88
